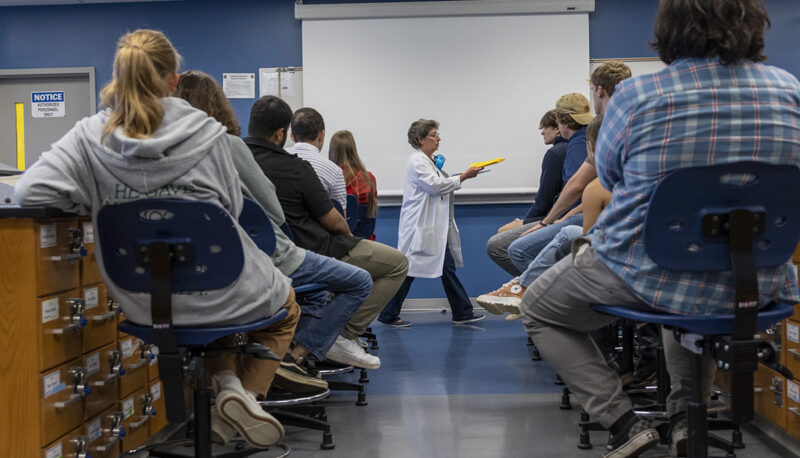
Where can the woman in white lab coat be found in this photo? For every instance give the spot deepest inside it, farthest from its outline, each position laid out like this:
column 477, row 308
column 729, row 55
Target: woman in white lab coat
column 428, row 235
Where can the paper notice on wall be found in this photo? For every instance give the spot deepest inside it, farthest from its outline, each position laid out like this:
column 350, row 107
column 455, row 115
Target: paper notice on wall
column 268, row 82
column 239, row 85
column 287, row 84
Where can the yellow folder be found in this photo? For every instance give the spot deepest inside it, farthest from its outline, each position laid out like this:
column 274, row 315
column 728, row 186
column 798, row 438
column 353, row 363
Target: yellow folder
column 487, row 163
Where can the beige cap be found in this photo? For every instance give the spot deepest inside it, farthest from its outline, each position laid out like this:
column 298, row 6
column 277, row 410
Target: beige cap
column 576, row 106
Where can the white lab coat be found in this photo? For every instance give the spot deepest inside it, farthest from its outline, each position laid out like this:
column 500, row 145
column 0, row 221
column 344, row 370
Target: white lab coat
column 426, row 218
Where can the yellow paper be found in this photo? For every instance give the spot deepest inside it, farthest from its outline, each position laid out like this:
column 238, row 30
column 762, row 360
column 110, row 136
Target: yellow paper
column 487, row 163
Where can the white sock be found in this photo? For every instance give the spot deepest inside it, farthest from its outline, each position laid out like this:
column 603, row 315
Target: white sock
column 227, row 380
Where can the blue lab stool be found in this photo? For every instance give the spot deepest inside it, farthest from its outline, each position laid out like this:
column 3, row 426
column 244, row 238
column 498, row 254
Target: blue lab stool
column 163, row 247
column 736, row 217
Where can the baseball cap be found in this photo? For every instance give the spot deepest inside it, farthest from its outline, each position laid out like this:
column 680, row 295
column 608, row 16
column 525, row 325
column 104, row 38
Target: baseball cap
column 576, row 106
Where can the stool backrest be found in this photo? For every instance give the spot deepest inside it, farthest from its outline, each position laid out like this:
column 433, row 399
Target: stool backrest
column 214, row 261
column 688, row 198
column 255, row 221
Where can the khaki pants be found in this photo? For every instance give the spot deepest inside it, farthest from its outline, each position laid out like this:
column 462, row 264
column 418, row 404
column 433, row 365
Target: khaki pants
column 257, row 374
column 387, row 267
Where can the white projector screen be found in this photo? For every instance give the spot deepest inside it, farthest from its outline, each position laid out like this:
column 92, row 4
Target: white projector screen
column 486, row 79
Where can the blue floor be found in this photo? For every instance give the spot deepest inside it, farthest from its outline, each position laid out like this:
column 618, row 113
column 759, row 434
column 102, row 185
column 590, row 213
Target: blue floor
column 435, row 357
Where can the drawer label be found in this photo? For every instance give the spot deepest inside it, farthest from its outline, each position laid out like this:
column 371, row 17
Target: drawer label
column 55, row 452
column 90, row 296
column 792, row 332
column 53, row 384
column 155, row 390
column 127, row 408
column 94, row 430
column 793, row 391
column 92, row 364
column 47, row 237
column 88, row 232
column 127, row 347
column 50, row 310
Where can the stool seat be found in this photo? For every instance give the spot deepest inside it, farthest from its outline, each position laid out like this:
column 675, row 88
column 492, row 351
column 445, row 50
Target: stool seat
column 193, row 336
column 707, row 325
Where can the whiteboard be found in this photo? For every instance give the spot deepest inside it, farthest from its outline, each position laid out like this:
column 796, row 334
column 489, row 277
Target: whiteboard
column 486, row 79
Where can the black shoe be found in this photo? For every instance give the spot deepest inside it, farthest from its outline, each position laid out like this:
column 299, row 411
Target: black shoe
column 475, row 317
column 636, row 437
column 293, row 378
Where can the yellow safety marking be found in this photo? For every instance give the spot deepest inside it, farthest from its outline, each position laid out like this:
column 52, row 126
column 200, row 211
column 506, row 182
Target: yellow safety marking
column 20, row 136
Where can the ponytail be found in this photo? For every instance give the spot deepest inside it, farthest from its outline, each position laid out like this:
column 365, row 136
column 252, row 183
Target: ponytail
column 144, row 61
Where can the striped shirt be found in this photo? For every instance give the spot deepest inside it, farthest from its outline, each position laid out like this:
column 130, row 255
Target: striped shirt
column 695, row 112
column 330, row 175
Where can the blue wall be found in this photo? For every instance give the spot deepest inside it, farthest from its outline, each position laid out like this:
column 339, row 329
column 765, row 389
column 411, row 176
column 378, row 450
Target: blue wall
column 243, row 35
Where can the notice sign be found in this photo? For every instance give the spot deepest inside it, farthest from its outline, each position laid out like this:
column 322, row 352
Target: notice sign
column 49, row 104
column 239, row 85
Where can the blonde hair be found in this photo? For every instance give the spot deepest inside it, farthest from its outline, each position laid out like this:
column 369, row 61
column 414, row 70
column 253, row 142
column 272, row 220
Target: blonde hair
column 342, row 151
column 142, row 64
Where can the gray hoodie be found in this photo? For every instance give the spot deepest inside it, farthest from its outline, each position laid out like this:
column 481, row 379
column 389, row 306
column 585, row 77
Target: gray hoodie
column 188, row 157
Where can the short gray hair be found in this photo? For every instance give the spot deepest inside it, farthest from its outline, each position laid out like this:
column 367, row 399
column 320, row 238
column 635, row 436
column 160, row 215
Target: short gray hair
column 420, row 129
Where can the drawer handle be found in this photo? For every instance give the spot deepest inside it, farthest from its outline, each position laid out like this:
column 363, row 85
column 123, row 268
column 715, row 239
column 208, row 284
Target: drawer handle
column 73, row 398
column 110, row 316
column 139, row 423
column 795, row 411
column 107, row 380
column 72, row 328
column 103, row 448
column 757, row 389
column 141, row 363
column 793, row 352
column 65, row 257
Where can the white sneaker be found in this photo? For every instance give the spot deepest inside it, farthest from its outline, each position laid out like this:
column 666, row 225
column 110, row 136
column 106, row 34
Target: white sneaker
column 221, row 431
column 347, row 351
column 241, row 410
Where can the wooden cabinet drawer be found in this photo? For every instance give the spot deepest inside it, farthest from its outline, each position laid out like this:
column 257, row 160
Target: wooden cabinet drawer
column 89, row 272
column 791, row 346
column 135, row 420
column 793, row 408
column 103, row 433
column 159, row 418
column 769, row 399
column 135, row 366
column 796, row 315
column 103, row 368
column 796, row 256
column 61, row 336
column 72, row 445
column 58, row 246
column 62, row 390
column 101, row 317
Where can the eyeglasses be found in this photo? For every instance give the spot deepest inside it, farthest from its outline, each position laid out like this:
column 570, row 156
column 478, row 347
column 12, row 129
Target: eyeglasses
column 433, row 135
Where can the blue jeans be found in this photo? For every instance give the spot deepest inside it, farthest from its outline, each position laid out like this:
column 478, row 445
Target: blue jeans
column 453, row 289
column 350, row 285
column 547, row 257
column 525, row 249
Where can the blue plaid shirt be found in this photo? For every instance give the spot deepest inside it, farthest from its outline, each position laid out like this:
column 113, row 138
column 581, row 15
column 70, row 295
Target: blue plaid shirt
column 695, row 112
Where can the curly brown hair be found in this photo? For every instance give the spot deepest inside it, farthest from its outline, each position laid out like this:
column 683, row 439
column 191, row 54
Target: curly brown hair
column 203, row 92
column 609, row 74
column 732, row 30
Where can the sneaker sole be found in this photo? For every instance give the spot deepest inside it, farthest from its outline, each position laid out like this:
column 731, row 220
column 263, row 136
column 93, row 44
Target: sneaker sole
column 259, row 429
column 513, row 317
column 635, row 445
column 297, row 383
column 513, row 308
column 489, row 307
column 345, row 359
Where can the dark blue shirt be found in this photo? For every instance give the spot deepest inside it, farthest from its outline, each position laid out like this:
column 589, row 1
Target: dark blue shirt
column 550, row 182
column 576, row 154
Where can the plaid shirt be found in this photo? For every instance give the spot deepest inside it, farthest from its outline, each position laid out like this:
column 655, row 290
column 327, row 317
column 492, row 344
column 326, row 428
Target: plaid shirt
column 695, row 112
